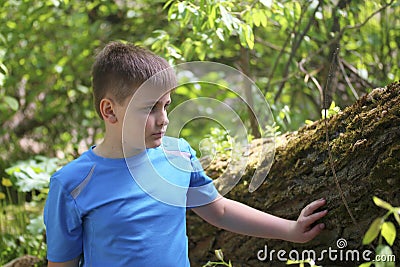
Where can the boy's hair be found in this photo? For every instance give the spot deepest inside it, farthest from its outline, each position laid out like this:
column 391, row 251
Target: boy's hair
column 119, row 69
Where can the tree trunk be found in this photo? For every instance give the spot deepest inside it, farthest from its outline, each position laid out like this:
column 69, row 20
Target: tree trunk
column 365, row 146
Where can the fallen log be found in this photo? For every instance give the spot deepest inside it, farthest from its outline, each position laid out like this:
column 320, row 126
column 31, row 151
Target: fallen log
column 365, row 147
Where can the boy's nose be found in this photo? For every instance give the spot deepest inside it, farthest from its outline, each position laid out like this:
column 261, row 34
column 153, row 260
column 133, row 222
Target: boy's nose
column 162, row 119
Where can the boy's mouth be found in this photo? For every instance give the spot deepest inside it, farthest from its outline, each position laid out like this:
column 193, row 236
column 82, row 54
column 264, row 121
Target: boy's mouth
column 159, row 134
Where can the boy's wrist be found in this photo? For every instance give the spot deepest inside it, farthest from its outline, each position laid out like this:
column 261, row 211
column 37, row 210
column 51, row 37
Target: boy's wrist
column 291, row 234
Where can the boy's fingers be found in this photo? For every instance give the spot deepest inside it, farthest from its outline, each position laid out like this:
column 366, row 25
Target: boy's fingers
column 316, row 216
column 314, row 231
column 310, row 208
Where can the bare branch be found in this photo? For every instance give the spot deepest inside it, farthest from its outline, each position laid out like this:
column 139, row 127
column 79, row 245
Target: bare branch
column 294, row 49
column 346, row 77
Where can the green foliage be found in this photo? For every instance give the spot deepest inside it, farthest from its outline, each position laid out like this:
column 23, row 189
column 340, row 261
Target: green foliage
column 47, row 48
column 384, row 229
column 283, row 116
column 333, row 110
column 22, row 230
column 327, row 113
column 21, row 221
column 46, row 52
column 207, row 24
column 217, row 141
column 33, row 174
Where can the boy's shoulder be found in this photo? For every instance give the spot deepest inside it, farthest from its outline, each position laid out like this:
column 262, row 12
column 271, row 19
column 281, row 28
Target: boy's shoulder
column 74, row 172
column 179, row 145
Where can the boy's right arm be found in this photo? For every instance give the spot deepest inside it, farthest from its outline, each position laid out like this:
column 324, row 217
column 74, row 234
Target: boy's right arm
column 63, row 227
column 71, row 263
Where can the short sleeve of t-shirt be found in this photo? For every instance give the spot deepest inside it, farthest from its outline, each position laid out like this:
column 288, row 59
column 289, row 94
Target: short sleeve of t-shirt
column 201, row 189
column 63, row 225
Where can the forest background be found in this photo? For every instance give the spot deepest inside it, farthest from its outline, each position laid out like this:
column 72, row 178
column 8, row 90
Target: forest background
column 285, row 47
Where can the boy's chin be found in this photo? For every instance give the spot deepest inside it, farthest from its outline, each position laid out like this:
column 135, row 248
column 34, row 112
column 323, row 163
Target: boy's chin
column 153, row 144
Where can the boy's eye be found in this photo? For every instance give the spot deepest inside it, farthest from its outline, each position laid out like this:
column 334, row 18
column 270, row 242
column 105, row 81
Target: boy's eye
column 149, row 108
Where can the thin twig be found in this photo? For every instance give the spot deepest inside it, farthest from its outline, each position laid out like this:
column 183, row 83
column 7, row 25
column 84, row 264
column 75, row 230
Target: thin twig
column 346, row 77
column 332, row 69
column 355, row 72
column 313, row 79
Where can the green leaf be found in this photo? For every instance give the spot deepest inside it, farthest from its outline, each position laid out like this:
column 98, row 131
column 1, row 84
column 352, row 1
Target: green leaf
column 365, row 264
column 263, row 17
column 385, row 254
column 219, row 254
column 3, row 73
column 389, row 232
column 246, row 36
column 12, row 102
column 226, row 18
column 308, row 122
column 249, row 36
column 373, row 231
column 181, row 7
column 257, row 18
column 36, row 226
column 11, row 24
column 167, row 4
column 3, row 69
column 212, row 16
column 82, row 88
column 383, row 204
column 220, row 34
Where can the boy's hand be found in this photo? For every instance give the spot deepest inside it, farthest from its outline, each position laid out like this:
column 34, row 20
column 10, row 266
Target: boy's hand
column 302, row 230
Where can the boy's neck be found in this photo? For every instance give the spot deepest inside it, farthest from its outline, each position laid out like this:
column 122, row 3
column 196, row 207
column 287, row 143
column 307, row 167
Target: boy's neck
column 108, row 149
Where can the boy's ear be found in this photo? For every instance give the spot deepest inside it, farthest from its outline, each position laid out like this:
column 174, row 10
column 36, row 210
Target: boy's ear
column 107, row 110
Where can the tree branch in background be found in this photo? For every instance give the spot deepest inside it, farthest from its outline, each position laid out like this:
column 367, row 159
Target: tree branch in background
column 347, row 79
column 295, row 47
column 244, row 65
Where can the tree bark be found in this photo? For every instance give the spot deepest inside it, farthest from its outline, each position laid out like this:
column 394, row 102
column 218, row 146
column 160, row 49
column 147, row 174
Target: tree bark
column 365, row 146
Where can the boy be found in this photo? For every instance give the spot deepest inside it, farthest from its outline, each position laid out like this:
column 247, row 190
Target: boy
column 123, row 202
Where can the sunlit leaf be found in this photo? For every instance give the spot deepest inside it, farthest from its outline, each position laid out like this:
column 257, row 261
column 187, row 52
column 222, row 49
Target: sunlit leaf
column 212, row 16
column 11, row 102
column 219, row 254
column 389, row 232
column 373, row 231
column 226, row 17
column 257, row 18
column 381, row 203
column 365, row 264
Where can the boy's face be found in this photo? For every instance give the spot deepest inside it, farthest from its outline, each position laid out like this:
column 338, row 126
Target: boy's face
column 148, row 112
column 157, row 121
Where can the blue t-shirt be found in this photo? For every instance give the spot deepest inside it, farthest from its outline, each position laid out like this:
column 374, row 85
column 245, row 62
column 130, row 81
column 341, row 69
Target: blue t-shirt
column 126, row 212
